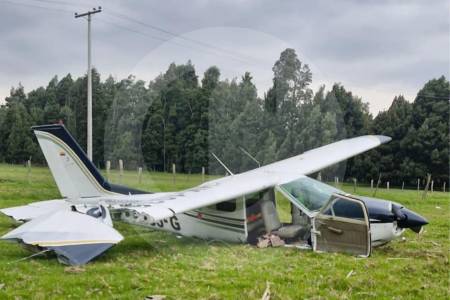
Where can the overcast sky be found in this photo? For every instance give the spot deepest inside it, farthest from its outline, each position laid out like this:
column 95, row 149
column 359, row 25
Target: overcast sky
column 377, row 49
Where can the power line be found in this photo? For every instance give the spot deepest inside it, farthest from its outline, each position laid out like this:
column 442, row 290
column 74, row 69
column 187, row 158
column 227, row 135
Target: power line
column 229, row 54
column 59, row 2
column 160, row 29
column 134, row 31
column 36, row 6
column 64, row 3
column 154, row 27
column 171, row 41
column 159, row 38
column 232, row 54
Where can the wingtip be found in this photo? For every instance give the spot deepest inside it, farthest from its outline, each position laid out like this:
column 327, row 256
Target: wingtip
column 384, row 139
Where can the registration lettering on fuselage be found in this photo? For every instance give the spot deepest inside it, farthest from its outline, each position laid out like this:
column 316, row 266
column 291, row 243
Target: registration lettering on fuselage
column 172, row 222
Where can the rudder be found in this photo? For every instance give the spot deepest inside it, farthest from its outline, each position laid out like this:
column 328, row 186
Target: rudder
column 75, row 175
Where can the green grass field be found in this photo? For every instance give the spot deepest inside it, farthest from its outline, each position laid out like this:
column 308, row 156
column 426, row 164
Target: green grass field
column 149, row 262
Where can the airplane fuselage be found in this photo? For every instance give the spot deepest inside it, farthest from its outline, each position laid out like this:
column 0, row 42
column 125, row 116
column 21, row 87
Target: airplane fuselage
column 205, row 223
column 212, row 224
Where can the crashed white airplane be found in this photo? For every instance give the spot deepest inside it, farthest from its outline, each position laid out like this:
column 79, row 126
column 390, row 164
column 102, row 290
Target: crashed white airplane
column 238, row 208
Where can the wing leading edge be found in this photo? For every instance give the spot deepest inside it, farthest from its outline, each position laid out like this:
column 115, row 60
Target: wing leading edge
column 227, row 188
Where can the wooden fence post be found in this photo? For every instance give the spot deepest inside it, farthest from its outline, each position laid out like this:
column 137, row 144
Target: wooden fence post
column 108, row 169
column 418, row 185
column 403, row 185
column 387, row 185
column 174, row 171
column 29, row 171
column 371, row 184
column 378, row 184
column 120, row 170
column 432, row 186
column 203, row 174
column 444, row 186
column 354, row 185
column 425, row 190
column 140, row 175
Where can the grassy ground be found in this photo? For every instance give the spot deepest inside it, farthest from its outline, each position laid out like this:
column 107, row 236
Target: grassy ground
column 149, row 263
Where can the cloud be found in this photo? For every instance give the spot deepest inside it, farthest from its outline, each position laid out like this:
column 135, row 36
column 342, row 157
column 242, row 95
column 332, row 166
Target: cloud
column 377, row 49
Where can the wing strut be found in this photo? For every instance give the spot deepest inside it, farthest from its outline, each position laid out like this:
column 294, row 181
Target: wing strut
column 223, row 165
column 251, row 156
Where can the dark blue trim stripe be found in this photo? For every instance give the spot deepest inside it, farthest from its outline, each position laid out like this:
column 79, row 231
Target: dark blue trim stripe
column 208, row 220
column 61, row 132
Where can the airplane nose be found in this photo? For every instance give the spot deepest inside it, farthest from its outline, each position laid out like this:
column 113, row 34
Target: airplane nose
column 409, row 219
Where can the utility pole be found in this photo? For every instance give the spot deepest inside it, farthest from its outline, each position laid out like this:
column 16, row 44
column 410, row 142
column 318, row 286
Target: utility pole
column 89, row 87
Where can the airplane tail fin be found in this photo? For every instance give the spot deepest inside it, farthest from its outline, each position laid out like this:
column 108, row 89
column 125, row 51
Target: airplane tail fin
column 75, row 175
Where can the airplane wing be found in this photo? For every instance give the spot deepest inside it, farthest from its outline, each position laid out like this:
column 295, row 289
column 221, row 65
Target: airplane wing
column 231, row 187
column 33, row 210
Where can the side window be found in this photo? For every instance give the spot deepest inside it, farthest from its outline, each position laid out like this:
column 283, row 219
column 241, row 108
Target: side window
column 252, row 199
column 228, row 206
column 348, row 209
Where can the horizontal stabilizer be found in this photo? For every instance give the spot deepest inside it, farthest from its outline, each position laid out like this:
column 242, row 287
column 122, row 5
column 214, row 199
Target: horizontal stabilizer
column 76, row 238
column 33, row 210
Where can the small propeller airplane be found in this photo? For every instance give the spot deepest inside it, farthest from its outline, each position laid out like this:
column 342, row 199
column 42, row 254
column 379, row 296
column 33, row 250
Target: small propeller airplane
column 238, row 208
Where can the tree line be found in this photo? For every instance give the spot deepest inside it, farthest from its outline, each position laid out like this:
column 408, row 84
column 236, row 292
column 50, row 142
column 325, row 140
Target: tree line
column 179, row 119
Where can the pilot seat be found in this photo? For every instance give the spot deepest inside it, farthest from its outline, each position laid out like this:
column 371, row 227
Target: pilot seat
column 273, row 224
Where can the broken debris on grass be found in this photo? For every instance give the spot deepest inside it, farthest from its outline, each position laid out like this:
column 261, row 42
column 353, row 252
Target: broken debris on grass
column 266, row 295
column 74, row 269
column 269, row 240
column 155, row 297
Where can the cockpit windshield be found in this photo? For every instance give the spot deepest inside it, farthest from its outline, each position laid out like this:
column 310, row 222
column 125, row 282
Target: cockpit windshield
column 310, row 193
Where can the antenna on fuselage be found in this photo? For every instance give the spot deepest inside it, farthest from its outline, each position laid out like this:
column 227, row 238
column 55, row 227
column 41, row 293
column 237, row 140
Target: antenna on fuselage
column 223, row 165
column 251, row 156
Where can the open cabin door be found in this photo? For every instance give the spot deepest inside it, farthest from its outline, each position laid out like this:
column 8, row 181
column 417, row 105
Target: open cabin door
column 342, row 226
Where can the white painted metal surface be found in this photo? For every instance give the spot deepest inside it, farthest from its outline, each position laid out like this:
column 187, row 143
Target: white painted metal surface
column 231, row 187
column 71, row 176
column 64, row 228
column 35, row 209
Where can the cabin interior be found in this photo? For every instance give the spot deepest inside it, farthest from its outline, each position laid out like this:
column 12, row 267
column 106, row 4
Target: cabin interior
column 267, row 214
